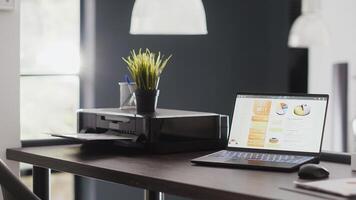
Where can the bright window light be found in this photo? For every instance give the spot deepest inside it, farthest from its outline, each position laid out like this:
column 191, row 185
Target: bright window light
column 50, row 62
column 48, row 104
column 50, row 36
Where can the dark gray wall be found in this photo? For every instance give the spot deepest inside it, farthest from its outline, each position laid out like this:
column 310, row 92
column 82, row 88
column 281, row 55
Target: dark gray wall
column 245, row 50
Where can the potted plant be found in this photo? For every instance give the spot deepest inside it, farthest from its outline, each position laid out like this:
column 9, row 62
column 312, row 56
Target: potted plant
column 146, row 68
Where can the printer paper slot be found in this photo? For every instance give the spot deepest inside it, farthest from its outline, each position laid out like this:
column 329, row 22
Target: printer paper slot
column 86, row 137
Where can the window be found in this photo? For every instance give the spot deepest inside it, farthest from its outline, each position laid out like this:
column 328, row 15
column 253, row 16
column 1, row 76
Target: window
column 50, row 62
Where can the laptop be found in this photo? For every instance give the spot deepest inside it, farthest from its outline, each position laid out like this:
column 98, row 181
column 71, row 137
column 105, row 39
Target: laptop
column 273, row 132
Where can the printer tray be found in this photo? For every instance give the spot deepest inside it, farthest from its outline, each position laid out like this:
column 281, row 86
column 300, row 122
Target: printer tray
column 93, row 137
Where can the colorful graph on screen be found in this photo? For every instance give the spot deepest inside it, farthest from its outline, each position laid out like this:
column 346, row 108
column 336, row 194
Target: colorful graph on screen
column 258, row 128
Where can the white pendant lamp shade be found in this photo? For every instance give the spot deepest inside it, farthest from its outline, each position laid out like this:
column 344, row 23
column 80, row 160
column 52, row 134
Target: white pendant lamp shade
column 309, row 29
column 168, row 17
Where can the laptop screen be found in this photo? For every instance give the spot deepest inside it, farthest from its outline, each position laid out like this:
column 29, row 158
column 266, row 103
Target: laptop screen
column 288, row 123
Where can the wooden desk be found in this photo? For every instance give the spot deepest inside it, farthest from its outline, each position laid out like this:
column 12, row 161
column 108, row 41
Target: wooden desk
column 173, row 174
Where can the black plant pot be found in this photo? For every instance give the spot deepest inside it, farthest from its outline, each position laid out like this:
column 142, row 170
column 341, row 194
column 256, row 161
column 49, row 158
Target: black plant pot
column 146, row 101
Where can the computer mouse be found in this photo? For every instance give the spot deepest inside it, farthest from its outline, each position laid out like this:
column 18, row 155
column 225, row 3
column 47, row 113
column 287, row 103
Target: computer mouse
column 312, row 171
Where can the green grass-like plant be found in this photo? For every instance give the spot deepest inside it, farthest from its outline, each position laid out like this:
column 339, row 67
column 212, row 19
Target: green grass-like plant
column 146, row 68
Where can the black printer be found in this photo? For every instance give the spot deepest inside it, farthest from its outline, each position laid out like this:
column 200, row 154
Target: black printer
column 165, row 131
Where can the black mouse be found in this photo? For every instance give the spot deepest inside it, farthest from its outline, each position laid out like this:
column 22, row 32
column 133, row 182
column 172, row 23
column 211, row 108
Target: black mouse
column 312, row 171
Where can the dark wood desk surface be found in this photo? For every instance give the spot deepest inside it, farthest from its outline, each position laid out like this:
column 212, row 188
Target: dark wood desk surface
column 173, row 174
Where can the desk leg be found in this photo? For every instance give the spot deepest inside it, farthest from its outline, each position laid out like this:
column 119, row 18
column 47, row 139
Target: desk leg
column 153, row 195
column 41, row 182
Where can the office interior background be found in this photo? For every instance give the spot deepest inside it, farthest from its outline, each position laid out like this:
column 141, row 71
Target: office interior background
column 59, row 56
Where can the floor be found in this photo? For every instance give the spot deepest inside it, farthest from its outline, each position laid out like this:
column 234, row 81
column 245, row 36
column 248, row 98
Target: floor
column 62, row 187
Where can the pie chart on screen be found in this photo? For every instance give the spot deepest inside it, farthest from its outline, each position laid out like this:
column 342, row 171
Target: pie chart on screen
column 302, row 110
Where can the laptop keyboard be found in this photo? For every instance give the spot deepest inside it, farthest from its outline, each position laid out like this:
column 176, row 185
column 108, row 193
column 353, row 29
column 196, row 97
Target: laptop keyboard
column 281, row 158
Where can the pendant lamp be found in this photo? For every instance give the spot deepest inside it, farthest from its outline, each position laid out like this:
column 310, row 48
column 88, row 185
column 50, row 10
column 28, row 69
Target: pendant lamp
column 168, row 17
column 309, row 29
